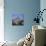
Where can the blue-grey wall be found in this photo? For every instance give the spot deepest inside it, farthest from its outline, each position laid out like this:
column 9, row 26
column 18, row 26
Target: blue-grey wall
column 28, row 8
column 43, row 6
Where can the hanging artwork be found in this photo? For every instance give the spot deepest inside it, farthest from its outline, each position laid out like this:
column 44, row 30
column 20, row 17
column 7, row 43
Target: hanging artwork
column 17, row 19
column 39, row 16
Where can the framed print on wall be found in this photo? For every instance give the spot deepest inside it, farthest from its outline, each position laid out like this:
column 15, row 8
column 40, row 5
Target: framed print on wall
column 17, row 19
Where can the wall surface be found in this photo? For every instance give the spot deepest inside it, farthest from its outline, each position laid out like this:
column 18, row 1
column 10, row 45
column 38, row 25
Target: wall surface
column 28, row 8
column 43, row 6
column 1, row 21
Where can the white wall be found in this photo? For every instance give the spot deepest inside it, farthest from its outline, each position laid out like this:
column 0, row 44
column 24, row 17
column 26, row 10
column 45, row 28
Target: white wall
column 1, row 21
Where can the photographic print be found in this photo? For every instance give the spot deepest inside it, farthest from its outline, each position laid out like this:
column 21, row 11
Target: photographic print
column 18, row 19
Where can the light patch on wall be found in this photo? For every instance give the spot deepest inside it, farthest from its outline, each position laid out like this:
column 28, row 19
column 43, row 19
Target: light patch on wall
column 1, row 3
column 1, row 24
